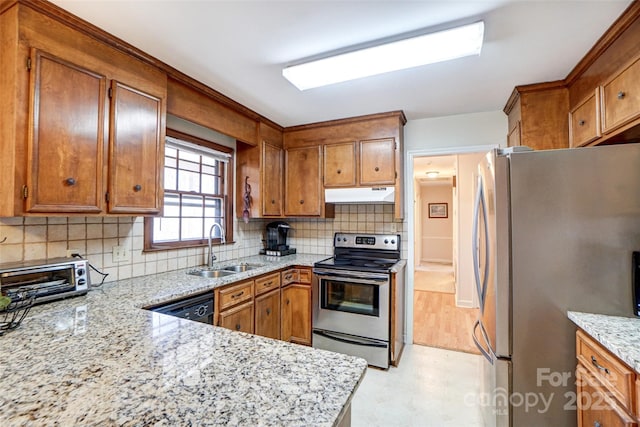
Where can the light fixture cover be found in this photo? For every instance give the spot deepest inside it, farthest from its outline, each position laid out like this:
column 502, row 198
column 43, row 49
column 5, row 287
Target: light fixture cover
column 432, row 174
column 397, row 55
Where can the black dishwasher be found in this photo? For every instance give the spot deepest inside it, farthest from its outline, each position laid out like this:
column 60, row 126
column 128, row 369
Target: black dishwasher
column 198, row 308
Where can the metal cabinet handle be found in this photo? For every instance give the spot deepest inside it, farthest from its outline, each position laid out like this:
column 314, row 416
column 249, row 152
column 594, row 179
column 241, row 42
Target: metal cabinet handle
column 238, row 326
column 238, row 295
column 268, row 311
column 377, row 169
column 621, row 95
column 597, row 424
column 597, row 365
column 302, row 202
column 581, row 122
column 287, row 302
column 70, row 181
column 269, row 283
column 339, row 171
column 273, row 202
column 137, row 187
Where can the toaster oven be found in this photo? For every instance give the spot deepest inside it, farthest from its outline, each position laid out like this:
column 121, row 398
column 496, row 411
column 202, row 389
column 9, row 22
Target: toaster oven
column 48, row 279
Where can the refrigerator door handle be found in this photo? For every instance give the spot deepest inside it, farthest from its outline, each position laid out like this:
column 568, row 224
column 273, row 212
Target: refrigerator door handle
column 480, row 205
column 476, row 243
column 485, row 352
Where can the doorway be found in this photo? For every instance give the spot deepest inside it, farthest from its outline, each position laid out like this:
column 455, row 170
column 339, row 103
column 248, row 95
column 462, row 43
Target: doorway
column 444, row 307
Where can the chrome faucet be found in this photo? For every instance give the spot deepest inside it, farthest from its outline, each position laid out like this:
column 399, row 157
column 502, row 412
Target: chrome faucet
column 212, row 257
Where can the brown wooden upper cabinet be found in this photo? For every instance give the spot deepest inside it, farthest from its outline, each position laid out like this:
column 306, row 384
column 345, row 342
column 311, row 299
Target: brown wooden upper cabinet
column 584, row 121
column 303, row 181
column 621, row 97
column 340, row 165
column 87, row 122
column 70, row 116
column 272, row 172
column 377, row 162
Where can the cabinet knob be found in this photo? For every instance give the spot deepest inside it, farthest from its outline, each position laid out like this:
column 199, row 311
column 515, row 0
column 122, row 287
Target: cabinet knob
column 621, row 94
column 339, row 171
column 377, row 169
column 302, row 202
column 137, row 187
column 581, row 122
column 268, row 311
column 287, row 302
column 70, row 181
column 273, row 202
column 597, row 424
column 238, row 326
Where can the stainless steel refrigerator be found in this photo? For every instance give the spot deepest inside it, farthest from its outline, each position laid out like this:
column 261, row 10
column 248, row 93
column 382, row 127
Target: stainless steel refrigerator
column 553, row 231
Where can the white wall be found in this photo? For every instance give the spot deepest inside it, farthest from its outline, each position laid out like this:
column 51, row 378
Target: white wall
column 437, row 233
column 462, row 130
column 474, row 132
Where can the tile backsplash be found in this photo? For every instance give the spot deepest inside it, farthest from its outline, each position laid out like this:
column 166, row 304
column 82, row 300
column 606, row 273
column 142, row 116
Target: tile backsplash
column 32, row 238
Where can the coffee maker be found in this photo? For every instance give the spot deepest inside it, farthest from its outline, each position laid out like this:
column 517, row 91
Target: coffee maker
column 277, row 239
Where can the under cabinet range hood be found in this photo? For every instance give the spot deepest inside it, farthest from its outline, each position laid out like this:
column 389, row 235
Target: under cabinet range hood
column 360, row 195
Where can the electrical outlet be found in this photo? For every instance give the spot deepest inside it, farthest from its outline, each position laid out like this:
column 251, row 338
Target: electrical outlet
column 120, row 254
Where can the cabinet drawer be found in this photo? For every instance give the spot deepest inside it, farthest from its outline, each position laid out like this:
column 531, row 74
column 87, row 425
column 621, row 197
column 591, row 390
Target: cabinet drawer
column 584, row 123
column 290, row 276
column 267, row 283
column 235, row 294
column 596, row 407
column 621, row 98
column 239, row 318
column 611, row 373
column 304, row 275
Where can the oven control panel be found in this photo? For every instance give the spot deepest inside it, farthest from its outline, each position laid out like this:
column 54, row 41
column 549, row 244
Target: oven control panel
column 367, row 241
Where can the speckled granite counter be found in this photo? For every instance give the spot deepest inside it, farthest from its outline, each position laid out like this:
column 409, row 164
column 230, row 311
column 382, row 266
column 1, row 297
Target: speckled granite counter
column 100, row 360
column 620, row 335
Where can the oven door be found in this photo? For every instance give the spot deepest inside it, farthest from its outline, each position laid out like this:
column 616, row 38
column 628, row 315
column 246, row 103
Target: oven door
column 352, row 303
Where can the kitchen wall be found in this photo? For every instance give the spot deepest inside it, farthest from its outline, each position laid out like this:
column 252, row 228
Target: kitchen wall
column 437, row 233
column 33, row 238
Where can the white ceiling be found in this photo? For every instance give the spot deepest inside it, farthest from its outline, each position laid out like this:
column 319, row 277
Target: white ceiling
column 240, row 47
column 444, row 165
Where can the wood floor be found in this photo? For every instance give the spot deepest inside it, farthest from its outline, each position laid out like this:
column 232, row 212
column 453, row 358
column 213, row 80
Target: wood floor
column 437, row 322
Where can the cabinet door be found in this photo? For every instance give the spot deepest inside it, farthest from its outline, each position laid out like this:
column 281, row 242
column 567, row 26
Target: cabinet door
column 296, row 314
column 340, row 165
column 596, row 406
column 303, row 189
column 136, row 151
column 239, row 318
column 267, row 308
column 584, row 122
column 66, row 138
column 621, row 98
column 271, row 180
column 378, row 162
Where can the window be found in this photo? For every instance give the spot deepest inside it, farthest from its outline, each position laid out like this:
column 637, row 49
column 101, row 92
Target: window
column 197, row 193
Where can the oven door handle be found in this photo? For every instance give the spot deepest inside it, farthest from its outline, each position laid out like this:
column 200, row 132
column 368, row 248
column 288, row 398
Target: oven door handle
column 351, row 340
column 340, row 277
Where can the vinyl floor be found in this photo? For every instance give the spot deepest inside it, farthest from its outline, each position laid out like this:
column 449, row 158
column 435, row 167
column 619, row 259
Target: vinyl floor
column 431, row 387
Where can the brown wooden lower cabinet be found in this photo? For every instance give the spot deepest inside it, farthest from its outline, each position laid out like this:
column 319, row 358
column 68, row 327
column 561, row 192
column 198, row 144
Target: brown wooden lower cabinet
column 604, row 385
column 296, row 313
column 267, row 314
column 238, row 318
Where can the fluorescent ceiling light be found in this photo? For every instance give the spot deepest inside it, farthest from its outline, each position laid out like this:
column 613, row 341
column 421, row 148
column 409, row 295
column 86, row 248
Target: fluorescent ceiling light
column 397, row 55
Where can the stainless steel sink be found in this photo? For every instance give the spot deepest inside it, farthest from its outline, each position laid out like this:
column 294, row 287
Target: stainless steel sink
column 239, row 268
column 212, row 274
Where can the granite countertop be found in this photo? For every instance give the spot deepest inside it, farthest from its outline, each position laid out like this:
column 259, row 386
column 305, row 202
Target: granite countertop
column 101, row 360
column 619, row 335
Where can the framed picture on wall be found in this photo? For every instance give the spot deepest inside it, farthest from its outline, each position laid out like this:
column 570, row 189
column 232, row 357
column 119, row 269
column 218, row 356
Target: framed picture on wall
column 438, row 210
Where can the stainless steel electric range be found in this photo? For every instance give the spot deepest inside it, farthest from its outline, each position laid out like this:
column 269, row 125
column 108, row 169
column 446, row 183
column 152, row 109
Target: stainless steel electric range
column 354, row 305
